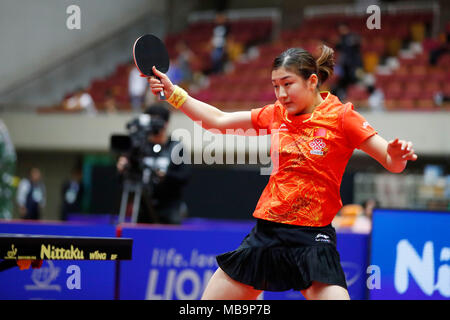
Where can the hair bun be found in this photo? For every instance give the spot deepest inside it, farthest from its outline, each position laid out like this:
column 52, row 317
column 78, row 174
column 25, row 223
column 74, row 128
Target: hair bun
column 325, row 63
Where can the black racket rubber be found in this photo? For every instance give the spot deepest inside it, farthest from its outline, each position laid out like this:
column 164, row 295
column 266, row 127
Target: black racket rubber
column 149, row 51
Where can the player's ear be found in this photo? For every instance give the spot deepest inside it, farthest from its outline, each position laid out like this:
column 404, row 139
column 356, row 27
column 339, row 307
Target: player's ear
column 313, row 81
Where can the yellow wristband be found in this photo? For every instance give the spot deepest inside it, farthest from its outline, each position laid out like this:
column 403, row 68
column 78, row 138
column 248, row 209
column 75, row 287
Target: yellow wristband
column 178, row 97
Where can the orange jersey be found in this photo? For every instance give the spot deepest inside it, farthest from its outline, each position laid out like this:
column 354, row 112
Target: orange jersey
column 309, row 154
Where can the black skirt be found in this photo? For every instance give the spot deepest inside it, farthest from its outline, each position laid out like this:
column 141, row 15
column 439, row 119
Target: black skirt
column 280, row 257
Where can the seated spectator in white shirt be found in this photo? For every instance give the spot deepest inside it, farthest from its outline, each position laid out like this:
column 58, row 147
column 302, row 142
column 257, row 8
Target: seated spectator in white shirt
column 80, row 101
column 137, row 87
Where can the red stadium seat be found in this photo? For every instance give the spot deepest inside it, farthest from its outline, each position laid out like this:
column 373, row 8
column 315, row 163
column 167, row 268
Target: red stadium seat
column 444, row 61
column 219, row 95
column 356, row 93
column 391, row 104
column 413, row 90
column 407, row 62
column 382, row 80
column 403, row 73
column 419, row 72
column 425, row 104
column 446, row 89
column 204, row 95
column 431, row 88
column 394, row 91
column 406, row 104
column 436, row 75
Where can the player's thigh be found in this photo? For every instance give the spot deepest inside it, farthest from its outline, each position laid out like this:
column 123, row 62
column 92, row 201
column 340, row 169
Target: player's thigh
column 323, row 291
column 222, row 287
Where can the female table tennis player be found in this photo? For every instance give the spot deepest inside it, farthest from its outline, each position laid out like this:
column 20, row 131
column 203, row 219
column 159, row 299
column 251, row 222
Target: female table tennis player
column 293, row 245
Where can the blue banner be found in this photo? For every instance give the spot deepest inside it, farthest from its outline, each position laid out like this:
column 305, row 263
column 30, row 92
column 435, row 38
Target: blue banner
column 173, row 263
column 176, row 263
column 60, row 280
column 411, row 254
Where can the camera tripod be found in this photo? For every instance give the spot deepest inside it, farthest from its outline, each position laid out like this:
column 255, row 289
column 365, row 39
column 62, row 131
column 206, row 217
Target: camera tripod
column 139, row 190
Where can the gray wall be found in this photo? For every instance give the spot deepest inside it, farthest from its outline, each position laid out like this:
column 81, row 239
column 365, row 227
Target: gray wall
column 34, row 35
column 46, row 60
column 430, row 132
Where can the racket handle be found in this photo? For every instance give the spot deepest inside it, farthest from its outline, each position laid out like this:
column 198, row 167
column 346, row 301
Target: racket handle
column 162, row 96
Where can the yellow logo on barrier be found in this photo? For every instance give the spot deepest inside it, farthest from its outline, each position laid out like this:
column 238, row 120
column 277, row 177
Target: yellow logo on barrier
column 97, row 255
column 12, row 253
column 52, row 253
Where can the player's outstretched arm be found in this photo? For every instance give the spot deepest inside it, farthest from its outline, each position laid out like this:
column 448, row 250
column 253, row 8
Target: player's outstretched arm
column 393, row 155
column 210, row 116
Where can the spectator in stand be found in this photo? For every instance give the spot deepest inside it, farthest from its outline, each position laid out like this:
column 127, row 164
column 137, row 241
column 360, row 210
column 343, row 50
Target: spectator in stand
column 219, row 43
column 137, row 88
column 443, row 48
column 189, row 66
column 81, row 101
column 349, row 60
column 31, row 195
column 441, row 98
column 185, row 58
column 110, row 104
column 376, row 98
column 235, row 49
column 375, row 101
column 72, row 194
column 175, row 72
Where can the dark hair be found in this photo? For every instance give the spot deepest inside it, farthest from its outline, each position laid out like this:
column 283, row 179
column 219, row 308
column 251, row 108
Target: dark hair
column 342, row 24
column 304, row 64
column 159, row 110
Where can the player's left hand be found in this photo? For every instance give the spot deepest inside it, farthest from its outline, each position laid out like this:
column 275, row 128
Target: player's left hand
column 160, row 83
column 401, row 150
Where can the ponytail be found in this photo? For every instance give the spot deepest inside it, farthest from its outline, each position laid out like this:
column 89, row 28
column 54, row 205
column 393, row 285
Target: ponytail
column 325, row 64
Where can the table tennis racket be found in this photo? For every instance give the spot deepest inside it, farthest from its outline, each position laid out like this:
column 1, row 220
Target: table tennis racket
column 149, row 51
